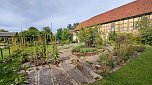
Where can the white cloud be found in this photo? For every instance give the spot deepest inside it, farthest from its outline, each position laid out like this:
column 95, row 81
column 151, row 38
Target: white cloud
column 15, row 14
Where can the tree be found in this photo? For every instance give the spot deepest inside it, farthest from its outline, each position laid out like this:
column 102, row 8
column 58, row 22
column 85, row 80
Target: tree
column 70, row 27
column 75, row 24
column 47, row 29
column 59, row 34
column 31, row 33
column 66, row 35
column 90, row 37
column 3, row 30
column 145, row 28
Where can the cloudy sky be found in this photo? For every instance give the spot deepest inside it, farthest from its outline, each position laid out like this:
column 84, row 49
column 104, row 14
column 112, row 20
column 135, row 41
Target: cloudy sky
column 17, row 14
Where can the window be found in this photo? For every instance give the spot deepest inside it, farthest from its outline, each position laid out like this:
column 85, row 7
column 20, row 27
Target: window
column 112, row 28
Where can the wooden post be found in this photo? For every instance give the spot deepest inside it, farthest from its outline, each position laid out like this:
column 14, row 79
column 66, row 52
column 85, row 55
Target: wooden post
column 1, row 53
column 9, row 50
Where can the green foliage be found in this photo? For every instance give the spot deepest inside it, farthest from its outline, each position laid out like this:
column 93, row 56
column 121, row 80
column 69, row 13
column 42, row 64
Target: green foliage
column 90, row 37
column 145, row 28
column 71, row 27
column 137, row 72
column 98, row 39
column 5, row 52
column 59, row 34
column 47, row 29
column 8, row 73
column 31, row 34
column 106, row 62
column 112, row 36
column 83, row 49
column 123, row 46
column 55, row 54
column 147, row 37
column 140, row 48
column 105, row 58
column 3, row 30
column 64, row 36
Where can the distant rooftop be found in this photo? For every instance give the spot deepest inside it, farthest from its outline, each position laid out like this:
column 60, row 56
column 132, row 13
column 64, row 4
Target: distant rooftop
column 134, row 8
column 8, row 34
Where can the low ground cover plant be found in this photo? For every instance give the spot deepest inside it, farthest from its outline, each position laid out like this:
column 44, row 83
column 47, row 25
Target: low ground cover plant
column 136, row 72
column 9, row 72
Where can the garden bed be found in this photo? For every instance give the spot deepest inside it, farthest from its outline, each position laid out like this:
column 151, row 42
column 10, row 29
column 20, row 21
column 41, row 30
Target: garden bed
column 85, row 54
column 136, row 72
column 83, row 51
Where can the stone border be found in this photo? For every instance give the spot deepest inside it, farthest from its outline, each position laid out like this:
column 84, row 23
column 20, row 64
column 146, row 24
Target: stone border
column 85, row 54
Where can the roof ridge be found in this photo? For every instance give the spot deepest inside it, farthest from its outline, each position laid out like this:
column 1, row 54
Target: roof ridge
column 133, row 8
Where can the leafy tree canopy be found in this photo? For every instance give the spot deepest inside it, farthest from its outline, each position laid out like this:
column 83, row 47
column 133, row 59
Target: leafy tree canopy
column 47, row 29
column 145, row 27
column 90, row 37
column 3, row 30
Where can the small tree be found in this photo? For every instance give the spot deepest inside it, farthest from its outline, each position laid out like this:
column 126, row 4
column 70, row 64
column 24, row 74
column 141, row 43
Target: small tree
column 90, row 37
column 66, row 36
column 112, row 36
column 145, row 28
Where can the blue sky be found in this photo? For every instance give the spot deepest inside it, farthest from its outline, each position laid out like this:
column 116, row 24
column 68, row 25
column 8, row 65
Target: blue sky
column 17, row 14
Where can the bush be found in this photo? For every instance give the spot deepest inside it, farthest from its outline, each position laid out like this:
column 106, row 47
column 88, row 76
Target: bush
column 145, row 28
column 140, row 48
column 107, row 63
column 99, row 46
column 112, row 36
column 77, row 49
column 90, row 37
column 106, row 59
column 84, row 49
column 131, row 50
column 8, row 73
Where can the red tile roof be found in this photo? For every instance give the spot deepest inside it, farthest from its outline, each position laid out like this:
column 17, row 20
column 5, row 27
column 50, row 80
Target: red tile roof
column 131, row 9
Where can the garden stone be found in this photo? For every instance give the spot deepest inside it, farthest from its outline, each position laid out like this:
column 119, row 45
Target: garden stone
column 60, row 77
column 45, row 77
column 75, row 74
column 32, row 76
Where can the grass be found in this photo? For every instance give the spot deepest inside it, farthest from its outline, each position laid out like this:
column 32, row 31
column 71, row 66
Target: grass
column 137, row 72
column 5, row 53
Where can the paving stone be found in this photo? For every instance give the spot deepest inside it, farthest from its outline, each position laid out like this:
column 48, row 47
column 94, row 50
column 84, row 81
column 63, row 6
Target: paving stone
column 74, row 73
column 45, row 77
column 61, row 78
column 32, row 76
column 86, row 73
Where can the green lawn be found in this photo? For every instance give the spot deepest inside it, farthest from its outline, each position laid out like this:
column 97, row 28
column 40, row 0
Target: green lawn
column 5, row 53
column 137, row 72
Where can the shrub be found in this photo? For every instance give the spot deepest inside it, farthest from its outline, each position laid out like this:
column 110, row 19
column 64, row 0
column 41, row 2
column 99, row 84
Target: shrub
column 145, row 29
column 77, row 49
column 84, row 49
column 140, row 48
column 99, row 46
column 131, row 50
column 90, row 37
column 106, row 62
column 106, row 59
column 112, row 36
